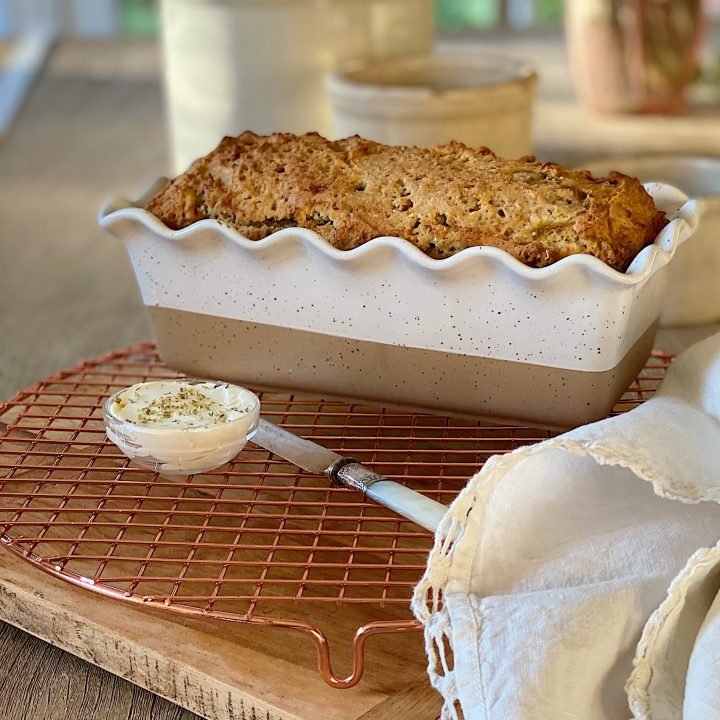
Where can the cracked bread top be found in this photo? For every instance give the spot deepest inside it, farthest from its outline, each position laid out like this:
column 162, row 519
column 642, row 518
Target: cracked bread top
column 441, row 199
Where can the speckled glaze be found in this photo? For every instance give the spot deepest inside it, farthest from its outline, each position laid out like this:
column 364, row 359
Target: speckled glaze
column 578, row 314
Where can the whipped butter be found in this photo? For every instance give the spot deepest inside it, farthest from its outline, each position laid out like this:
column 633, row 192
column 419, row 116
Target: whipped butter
column 181, row 426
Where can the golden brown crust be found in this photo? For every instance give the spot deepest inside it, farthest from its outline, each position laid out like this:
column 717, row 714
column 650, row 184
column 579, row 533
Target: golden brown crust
column 441, row 199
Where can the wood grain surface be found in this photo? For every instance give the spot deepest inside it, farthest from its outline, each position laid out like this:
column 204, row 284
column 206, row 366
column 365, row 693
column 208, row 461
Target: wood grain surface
column 93, row 126
column 38, row 680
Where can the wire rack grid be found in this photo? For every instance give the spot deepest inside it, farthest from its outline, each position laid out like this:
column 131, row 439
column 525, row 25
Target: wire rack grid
column 256, row 541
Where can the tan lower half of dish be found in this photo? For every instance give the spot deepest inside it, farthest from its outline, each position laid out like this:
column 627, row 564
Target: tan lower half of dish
column 269, row 357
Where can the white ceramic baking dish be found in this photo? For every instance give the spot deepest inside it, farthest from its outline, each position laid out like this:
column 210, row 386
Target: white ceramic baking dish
column 477, row 334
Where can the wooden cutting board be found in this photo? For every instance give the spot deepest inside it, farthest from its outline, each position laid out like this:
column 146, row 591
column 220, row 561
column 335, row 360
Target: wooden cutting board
column 219, row 670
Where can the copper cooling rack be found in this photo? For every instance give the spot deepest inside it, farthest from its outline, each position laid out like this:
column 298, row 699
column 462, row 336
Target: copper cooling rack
column 257, row 541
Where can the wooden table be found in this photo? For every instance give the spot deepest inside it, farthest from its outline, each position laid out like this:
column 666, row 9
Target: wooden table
column 93, row 126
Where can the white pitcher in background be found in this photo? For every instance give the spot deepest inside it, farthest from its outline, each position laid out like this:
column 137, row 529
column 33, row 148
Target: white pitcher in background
column 235, row 65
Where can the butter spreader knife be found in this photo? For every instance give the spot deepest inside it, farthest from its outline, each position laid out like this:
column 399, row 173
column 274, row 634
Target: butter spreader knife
column 347, row 472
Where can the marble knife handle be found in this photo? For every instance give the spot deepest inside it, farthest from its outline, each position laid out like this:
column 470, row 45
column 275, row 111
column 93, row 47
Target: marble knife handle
column 406, row 502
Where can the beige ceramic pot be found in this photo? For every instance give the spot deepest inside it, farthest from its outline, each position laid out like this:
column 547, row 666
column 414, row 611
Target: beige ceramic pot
column 478, row 99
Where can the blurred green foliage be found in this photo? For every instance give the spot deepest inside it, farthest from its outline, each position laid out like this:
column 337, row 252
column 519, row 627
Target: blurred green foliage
column 548, row 12
column 457, row 15
column 139, row 17
column 454, row 15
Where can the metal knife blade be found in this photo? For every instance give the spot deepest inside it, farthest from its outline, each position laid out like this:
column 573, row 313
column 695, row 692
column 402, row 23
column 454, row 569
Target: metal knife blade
column 305, row 454
column 348, row 473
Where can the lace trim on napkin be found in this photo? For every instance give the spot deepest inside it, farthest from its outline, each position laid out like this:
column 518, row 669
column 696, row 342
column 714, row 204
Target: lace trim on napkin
column 427, row 599
column 454, row 531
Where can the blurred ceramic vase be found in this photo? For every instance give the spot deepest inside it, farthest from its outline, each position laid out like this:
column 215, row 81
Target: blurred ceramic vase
column 235, row 65
column 635, row 56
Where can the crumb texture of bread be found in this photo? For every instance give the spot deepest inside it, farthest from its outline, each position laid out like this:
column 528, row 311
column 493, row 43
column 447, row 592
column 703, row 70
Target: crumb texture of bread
column 442, row 199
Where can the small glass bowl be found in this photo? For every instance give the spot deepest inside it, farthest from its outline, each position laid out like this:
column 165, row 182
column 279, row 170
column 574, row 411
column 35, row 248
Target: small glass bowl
column 182, row 451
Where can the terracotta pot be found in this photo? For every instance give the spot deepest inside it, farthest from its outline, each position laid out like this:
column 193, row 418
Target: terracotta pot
column 633, row 55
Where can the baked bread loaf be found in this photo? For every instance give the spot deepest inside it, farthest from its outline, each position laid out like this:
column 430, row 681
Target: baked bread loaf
column 441, row 199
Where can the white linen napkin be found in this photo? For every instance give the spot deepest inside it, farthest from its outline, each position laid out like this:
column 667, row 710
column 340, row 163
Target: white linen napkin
column 571, row 569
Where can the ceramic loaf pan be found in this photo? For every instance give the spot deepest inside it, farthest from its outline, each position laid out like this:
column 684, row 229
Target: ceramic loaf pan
column 478, row 334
